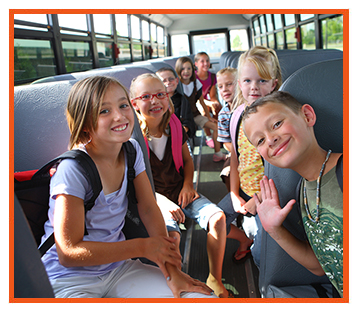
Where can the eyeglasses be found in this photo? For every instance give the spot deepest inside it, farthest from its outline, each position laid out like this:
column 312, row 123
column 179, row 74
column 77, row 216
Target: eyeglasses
column 149, row 97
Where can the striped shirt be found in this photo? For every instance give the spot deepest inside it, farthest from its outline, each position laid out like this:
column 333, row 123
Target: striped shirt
column 224, row 124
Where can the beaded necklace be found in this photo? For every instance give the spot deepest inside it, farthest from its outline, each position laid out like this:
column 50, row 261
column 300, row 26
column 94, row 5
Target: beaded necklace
column 317, row 192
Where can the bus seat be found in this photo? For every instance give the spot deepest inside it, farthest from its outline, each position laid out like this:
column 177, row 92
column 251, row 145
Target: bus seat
column 320, row 85
column 30, row 277
column 290, row 62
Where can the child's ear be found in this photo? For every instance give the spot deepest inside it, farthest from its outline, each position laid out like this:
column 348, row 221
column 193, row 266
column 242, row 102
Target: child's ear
column 309, row 114
column 274, row 84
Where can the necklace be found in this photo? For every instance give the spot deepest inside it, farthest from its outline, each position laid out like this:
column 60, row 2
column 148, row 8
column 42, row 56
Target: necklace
column 317, row 192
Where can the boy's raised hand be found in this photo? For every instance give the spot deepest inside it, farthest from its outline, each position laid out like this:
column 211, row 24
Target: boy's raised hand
column 269, row 210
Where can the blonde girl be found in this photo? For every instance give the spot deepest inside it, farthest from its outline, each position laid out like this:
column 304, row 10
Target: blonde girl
column 101, row 119
column 259, row 73
column 154, row 110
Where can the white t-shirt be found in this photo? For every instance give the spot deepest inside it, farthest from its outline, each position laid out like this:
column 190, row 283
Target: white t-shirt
column 188, row 89
column 104, row 222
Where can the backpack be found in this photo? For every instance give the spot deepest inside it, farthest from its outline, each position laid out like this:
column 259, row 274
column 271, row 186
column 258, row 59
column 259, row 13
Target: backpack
column 177, row 139
column 235, row 122
column 32, row 190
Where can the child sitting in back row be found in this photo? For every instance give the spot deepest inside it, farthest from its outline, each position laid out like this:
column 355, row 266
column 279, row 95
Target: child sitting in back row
column 281, row 129
column 193, row 91
column 182, row 107
column 208, row 80
column 226, row 79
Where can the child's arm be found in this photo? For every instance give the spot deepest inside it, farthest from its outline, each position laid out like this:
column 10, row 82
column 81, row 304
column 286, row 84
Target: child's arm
column 237, row 201
column 206, row 110
column 69, row 220
column 187, row 193
column 272, row 216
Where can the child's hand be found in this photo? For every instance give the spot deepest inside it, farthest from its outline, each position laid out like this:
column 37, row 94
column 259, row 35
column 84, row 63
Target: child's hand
column 238, row 204
column 250, row 206
column 177, row 214
column 162, row 250
column 186, row 196
column 269, row 210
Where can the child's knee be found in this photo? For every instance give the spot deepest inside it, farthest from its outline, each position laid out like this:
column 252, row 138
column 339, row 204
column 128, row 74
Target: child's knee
column 217, row 221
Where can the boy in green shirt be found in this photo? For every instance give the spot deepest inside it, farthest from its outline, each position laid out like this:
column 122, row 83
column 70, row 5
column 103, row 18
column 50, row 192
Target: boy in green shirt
column 282, row 131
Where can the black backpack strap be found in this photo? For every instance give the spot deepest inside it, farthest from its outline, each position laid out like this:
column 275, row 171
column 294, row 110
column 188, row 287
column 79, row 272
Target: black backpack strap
column 131, row 157
column 92, row 173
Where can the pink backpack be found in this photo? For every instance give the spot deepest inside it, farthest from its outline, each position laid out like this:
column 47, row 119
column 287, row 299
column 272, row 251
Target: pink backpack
column 177, row 139
column 235, row 121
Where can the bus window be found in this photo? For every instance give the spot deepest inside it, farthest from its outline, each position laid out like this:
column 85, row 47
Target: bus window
column 145, row 31
column 279, row 40
column 122, row 25
column 289, row 19
column 332, row 33
column 125, row 53
column 135, row 27
column 74, row 21
column 290, row 39
column 213, row 44
column 308, row 36
column 33, row 59
column 180, row 45
column 104, row 50
column 35, row 18
column 153, row 32
column 238, row 40
column 78, row 56
column 102, row 25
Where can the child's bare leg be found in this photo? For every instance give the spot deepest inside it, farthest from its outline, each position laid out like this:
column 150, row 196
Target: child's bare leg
column 214, row 126
column 239, row 235
column 216, row 242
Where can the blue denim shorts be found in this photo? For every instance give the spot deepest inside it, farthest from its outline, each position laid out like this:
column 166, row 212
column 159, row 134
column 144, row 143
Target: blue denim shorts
column 200, row 210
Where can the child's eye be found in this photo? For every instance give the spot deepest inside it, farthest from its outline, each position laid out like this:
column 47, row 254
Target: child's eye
column 260, row 141
column 263, row 81
column 220, row 86
column 146, row 97
column 247, row 80
column 104, row 111
column 277, row 124
column 124, row 105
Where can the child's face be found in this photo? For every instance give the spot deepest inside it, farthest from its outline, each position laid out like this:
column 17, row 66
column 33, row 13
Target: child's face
column 154, row 108
column 226, row 86
column 169, row 80
column 252, row 85
column 281, row 136
column 203, row 64
column 186, row 72
column 116, row 118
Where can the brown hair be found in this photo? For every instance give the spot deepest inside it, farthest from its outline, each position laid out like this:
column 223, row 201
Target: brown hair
column 179, row 66
column 84, row 104
column 279, row 97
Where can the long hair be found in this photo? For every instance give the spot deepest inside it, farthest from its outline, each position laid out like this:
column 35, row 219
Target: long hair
column 267, row 66
column 142, row 122
column 179, row 66
column 84, row 105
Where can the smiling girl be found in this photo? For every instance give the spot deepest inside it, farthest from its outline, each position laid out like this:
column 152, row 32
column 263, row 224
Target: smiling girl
column 101, row 119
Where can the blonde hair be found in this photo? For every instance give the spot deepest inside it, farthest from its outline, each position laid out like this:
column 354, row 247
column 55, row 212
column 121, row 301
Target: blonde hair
column 267, row 66
column 84, row 104
column 233, row 72
column 142, row 122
